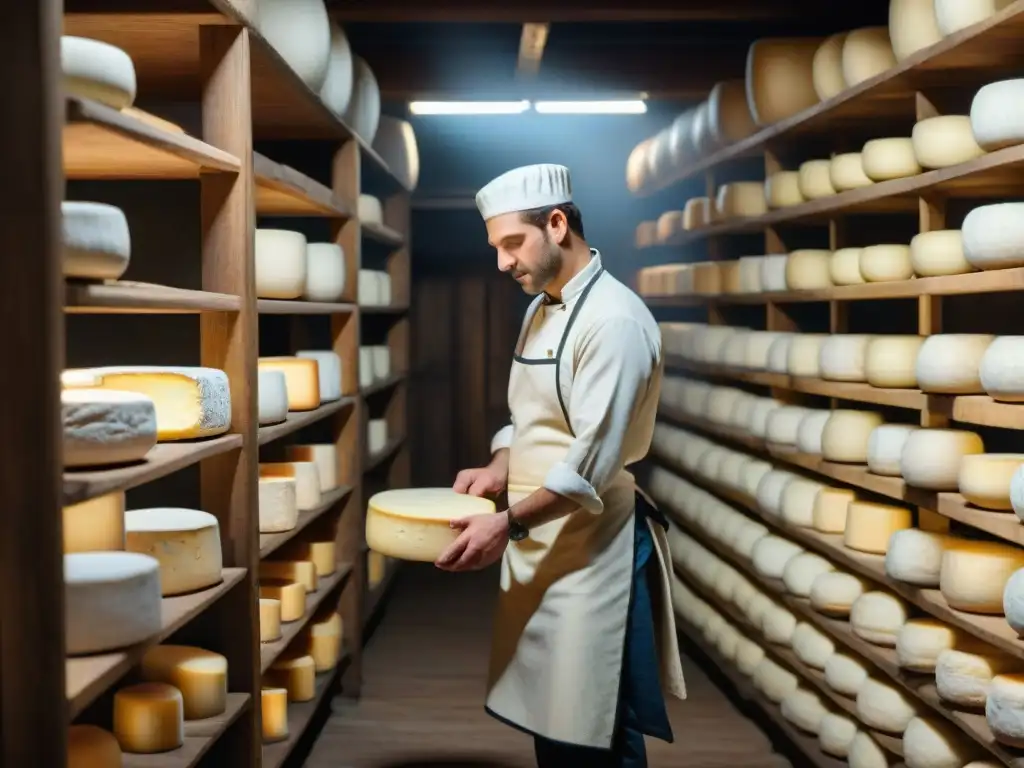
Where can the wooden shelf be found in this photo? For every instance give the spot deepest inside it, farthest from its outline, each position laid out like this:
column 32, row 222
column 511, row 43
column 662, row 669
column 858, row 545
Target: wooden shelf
column 162, row 460
column 298, row 419
column 283, row 307
column 291, row 629
column 89, row 676
column 381, row 234
column 299, row 716
column 103, row 143
column 200, row 735
column 984, row 47
column 375, row 460
column 123, row 297
column 383, row 385
column 377, row 309
column 283, row 191
column 272, row 541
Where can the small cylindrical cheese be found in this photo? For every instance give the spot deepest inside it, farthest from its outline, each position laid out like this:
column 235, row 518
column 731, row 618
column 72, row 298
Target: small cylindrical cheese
column 845, row 674
column 944, row 140
column 869, row 526
column 200, row 675
column 306, row 477
column 937, row 253
column 920, row 641
column 844, row 267
column 891, row 361
column 801, row 571
column 878, row 617
column 274, row 709
column 296, row 674
column 835, row 734
column 885, row 263
column 1003, row 709
column 302, row 571
column 811, row 646
column 931, row 458
column 92, row 747
column 974, row 575
column 834, row 593
column 885, row 447
column 915, row 556
column 149, row 718
column 963, row 677
column 323, row 641
column 291, row 594
column 830, row 508
column 949, row 363
column 985, row 479
column 270, row 620
column 320, row 553
column 931, row 741
column 890, row 158
column 803, row 708
column 277, row 504
column 885, row 707
column 847, row 434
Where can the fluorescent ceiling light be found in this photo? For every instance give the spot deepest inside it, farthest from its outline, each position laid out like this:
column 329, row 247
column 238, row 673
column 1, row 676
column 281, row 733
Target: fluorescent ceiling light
column 468, row 107
column 615, row 107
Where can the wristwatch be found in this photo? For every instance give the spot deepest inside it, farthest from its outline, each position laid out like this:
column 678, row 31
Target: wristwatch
column 516, row 530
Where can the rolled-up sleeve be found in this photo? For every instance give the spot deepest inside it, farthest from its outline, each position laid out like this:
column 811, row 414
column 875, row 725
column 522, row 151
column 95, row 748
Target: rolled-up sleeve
column 613, row 373
column 502, row 439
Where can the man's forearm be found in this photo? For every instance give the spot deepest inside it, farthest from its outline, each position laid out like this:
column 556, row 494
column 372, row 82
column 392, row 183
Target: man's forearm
column 542, row 506
column 499, row 462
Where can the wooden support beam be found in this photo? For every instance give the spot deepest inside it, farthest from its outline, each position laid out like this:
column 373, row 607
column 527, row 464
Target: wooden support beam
column 531, row 49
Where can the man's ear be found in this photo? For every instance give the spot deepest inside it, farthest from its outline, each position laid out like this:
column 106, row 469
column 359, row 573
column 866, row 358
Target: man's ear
column 558, row 227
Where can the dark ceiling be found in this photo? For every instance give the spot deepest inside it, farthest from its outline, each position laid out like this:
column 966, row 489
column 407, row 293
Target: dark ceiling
column 670, row 50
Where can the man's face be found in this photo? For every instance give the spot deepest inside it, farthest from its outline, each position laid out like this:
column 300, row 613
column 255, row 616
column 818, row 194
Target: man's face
column 526, row 252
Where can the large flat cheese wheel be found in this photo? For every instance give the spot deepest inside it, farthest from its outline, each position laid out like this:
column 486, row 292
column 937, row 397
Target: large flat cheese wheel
column 395, row 142
column 278, row 510
column 847, row 434
column 93, row 747
column 740, row 199
column 867, row 53
column 963, row 677
column 300, row 32
column 932, row 741
column 830, row 509
column 103, row 427
column 273, row 398
column 189, row 402
column 890, row 158
column 835, row 734
column 325, row 272
column 844, row 267
column 933, row 254
column 729, row 118
column 96, row 242
column 985, row 478
column 992, row 236
column 413, row 523
column 827, row 67
column 807, row 269
column 920, row 642
column 833, row 593
column 296, row 674
column 780, row 77
column 885, row 447
column 869, row 526
column 996, row 118
column 846, row 171
column 815, row 180
column 915, row 556
column 186, row 543
column 270, row 619
column 974, row 575
column 891, row 361
column 877, row 617
column 280, row 258
column 149, row 718
column 931, row 457
column 1003, row 709
column 885, row 263
column 92, row 69
column 302, row 380
column 96, row 525
column 885, row 707
column 946, row 140
column 1001, row 378
column 953, row 15
column 845, row 674
column 291, row 595
column 200, row 675
column 274, row 714
column 328, row 372
column 843, row 356
column 111, row 600
column 912, row 26
column 782, row 189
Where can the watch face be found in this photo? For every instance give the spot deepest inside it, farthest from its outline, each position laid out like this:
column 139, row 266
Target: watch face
column 517, row 532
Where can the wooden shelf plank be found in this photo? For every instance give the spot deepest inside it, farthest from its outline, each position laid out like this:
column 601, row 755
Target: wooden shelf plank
column 373, row 461
column 378, row 309
column 124, row 297
column 283, row 191
column 384, row 384
column 299, row 716
column 291, row 629
column 164, row 459
column 200, row 735
column 285, row 307
column 89, row 676
column 272, row 541
column 103, row 143
column 298, row 419
column 381, row 234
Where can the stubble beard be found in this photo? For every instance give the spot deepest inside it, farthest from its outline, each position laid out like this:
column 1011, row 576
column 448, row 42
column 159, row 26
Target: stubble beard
column 549, row 266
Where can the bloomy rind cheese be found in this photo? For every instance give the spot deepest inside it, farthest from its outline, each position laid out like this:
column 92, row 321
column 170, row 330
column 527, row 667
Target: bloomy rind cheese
column 995, row 114
column 96, row 525
column 92, row 747
column 920, row 641
column 414, row 524
column 885, row 707
column 96, row 241
column 931, row 458
column 878, row 617
column 102, row 427
column 1003, row 709
column 845, row 674
column 833, row 593
column 200, row 675
column 885, row 447
column 93, row 69
column 992, row 236
column 963, row 677
column 325, row 272
column 149, row 718
column 186, row 543
column 915, row 556
column 933, row 741
column 277, row 508
column 1000, row 377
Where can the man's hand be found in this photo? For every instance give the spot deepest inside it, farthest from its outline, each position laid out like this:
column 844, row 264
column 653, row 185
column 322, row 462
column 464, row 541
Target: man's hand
column 481, row 481
column 481, row 543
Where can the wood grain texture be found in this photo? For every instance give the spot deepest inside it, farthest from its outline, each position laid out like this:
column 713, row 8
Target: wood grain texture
column 423, row 693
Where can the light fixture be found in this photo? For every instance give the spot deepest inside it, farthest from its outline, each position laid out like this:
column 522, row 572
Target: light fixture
column 607, row 107
column 468, row 107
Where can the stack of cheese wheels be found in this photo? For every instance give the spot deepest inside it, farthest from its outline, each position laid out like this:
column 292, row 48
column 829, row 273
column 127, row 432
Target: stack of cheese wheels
column 414, row 523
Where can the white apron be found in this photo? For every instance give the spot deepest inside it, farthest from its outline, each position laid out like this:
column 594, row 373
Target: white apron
column 559, row 636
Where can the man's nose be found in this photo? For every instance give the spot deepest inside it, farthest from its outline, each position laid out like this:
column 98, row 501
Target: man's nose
column 505, row 262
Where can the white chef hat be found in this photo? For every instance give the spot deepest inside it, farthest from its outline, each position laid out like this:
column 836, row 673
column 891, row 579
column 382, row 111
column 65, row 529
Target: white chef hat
column 531, row 186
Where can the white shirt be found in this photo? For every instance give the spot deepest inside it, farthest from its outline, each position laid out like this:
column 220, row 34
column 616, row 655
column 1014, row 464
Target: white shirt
column 611, row 379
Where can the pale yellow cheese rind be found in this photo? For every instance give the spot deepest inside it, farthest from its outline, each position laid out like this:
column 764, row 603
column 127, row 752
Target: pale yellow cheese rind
column 296, row 674
column 149, row 718
column 302, row 380
column 274, row 709
column 186, row 542
column 301, row 571
column 869, row 526
column 291, row 595
column 270, row 619
column 200, row 675
column 321, row 553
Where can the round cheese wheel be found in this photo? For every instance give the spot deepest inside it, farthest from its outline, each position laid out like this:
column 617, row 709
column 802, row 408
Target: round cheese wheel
column 931, row 742
column 814, row 179
column 963, row 677
column 771, row 554
column 668, row 224
column 801, row 571
column 891, row 158
column 993, row 236
column 273, row 397
column 870, row 526
column 797, row 504
column 773, row 681
column 363, row 112
column 885, row 447
column 804, row 354
column 877, row 617
column 1003, row 709
column 845, row 674
column 912, row 26
column 773, row 272
column 748, row 655
column 336, row 91
column 413, row 523
column 946, row 140
column 729, row 118
column 931, row 457
column 885, row 707
column 1017, row 493
column 844, row 267
column 915, row 556
column 770, row 490
column 830, row 508
column 827, row 67
column 280, row 259
column 842, row 357
column 782, row 427
column 933, row 254
column 149, row 718
column 92, row 69
column 846, row 171
column 103, row 427
column 636, row 166
column 92, row 747
column 954, row 15
column 200, row 675
column 974, row 575
column 833, row 593
column 698, row 212
column 804, row 709
column 95, row 241
column 1000, row 377
column 780, row 77
column 866, row 753
column 835, row 734
column 763, row 409
column 186, row 543
column 808, row 270
column 782, row 189
column 867, row 53
column 810, row 431
column 646, row 236
column 885, row 263
column 985, row 479
column 778, row 354
column 753, row 473
column 846, row 435
column 812, row 647
column 778, row 625
column 920, row 641
column 750, row 274
column 300, row 32
column 740, row 199
column 996, row 119
column 891, row 361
